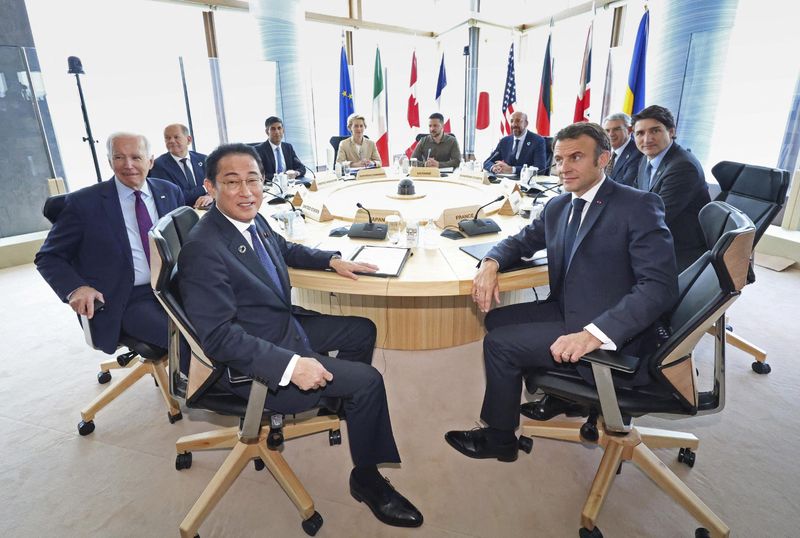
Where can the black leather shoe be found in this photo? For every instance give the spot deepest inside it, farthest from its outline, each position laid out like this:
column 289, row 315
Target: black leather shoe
column 549, row 407
column 386, row 503
column 474, row 443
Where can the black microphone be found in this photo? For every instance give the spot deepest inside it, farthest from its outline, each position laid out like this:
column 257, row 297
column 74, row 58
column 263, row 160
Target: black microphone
column 367, row 230
column 541, row 192
column 476, row 226
column 75, row 66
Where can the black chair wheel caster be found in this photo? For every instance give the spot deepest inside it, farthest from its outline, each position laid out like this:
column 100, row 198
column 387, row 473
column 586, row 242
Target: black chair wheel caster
column 586, row 533
column 525, row 444
column 259, row 464
column 85, row 427
column 761, row 368
column 589, row 432
column 685, row 455
column 103, row 377
column 335, row 437
column 183, row 461
column 312, row 524
column 125, row 358
column 174, row 418
column 702, row 533
column 274, row 439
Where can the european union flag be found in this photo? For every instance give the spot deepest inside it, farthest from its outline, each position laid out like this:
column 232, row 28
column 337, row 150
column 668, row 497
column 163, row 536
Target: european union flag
column 345, row 96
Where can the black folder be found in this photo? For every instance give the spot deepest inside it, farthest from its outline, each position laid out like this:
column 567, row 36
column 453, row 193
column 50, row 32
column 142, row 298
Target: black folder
column 480, row 251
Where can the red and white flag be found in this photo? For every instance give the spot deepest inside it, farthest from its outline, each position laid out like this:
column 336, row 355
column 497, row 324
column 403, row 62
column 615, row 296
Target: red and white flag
column 379, row 110
column 582, row 102
column 413, row 104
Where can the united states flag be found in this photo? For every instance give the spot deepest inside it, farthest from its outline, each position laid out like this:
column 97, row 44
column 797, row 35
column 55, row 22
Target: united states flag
column 509, row 95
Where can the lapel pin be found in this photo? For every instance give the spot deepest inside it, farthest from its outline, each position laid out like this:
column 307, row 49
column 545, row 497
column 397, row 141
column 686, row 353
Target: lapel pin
column 598, row 202
column 529, row 143
column 242, row 249
column 162, row 196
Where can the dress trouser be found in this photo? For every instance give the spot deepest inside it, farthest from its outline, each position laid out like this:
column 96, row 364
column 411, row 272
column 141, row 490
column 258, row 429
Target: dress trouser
column 144, row 318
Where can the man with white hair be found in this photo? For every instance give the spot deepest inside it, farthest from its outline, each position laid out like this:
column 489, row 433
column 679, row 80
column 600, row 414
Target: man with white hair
column 98, row 248
column 625, row 156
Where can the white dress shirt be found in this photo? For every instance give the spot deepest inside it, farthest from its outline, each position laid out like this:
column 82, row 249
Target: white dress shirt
column 127, row 201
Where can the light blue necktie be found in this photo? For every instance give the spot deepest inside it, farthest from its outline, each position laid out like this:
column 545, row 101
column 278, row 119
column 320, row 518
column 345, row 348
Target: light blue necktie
column 279, row 167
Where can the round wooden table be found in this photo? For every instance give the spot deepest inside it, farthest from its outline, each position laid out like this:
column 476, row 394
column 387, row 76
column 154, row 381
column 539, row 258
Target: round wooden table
column 429, row 305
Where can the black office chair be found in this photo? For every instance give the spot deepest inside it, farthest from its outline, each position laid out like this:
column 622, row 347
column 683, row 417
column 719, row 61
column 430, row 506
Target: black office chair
column 251, row 440
column 152, row 359
column 335, row 141
column 548, row 154
column 707, row 288
column 760, row 193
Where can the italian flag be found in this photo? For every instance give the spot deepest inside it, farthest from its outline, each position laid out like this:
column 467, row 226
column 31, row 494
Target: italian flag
column 379, row 110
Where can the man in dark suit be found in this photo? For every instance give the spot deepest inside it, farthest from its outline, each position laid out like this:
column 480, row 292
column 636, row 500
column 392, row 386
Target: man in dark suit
column 181, row 166
column 278, row 156
column 235, row 287
column 517, row 149
column 612, row 275
column 625, row 156
column 98, row 248
column 674, row 174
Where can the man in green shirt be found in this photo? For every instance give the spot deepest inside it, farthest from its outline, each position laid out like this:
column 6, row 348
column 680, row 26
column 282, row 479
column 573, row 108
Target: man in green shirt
column 438, row 149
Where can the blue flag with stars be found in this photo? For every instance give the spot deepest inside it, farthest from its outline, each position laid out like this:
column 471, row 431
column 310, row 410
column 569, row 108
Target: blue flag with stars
column 345, row 96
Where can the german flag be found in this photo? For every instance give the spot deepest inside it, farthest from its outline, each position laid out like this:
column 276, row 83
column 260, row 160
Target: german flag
column 634, row 94
column 545, row 94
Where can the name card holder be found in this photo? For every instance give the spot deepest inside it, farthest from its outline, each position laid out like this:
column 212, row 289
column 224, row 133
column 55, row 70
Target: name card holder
column 315, row 209
column 450, row 217
column 511, row 204
column 510, row 187
column 480, row 176
column 378, row 215
column 371, row 173
column 322, row 180
column 297, row 199
column 419, row 171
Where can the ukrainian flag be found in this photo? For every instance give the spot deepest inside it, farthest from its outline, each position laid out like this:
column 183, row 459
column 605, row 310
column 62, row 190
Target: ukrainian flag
column 634, row 94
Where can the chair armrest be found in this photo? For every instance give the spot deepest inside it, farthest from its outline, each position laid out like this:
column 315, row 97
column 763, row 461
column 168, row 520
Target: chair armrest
column 251, row 425
column 614, row 360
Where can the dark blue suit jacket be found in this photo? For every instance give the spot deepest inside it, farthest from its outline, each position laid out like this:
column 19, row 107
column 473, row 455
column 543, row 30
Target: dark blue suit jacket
column 88, row 246
column 532, row 153
column 681, row 183
column 622, row 275
column 626, row 167
column 290, row 159
column 165, row 167
column 243, row 320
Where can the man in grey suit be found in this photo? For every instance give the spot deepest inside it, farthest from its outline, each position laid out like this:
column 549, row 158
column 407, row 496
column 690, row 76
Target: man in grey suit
column 612, row 274
column 625, row 156
column 674, row 174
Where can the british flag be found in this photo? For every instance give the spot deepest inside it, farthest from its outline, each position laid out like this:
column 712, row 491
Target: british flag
column 509, row 95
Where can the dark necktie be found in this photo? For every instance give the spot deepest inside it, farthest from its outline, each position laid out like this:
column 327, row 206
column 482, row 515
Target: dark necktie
column 188, row 173
column 648, row 173
column 610, row 165
column 279, row 167
column 572, row 229
column 514, row 151
column 144, row 222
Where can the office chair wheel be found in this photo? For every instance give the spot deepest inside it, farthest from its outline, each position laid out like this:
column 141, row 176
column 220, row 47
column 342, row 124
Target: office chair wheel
column 685, row 455
column 125, row 358
column 274, row 439
column 258, row 463
column 103, row 377
column 525, row 444
column 335, row 437
column 761, row 367
column 85, row 427
column 312, row 524
column 183, row 461
column 174, row 418
column 589, row 432
column 702, row 533
column 586, row 533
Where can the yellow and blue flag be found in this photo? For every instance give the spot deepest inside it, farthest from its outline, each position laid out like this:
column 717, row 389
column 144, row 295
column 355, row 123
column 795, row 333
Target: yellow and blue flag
column 634, row 94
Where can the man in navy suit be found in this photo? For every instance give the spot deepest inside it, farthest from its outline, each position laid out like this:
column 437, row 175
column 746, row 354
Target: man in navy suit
column 181, row 166
column 625, row 156
column 612, row 275
column 235, row 286
column 676, row 176
column 517, row 149
column 278, row 156
column 98, row 247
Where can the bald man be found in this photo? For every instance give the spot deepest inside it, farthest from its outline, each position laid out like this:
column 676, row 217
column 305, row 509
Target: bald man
column 182, row 167
column 521, row 147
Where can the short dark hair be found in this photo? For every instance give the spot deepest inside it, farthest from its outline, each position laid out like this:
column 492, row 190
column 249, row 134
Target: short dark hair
column 436, row 116
column 212, row 161
column 272, row 119
column 592, row 130
column 655, row 112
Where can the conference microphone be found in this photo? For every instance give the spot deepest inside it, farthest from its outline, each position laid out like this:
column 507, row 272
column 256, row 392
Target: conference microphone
column 476, row 226
column 541, row 192
column 367, row 230
column 75, row 66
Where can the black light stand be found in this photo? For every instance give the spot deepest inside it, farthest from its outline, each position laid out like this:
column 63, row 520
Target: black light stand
column 75, row 68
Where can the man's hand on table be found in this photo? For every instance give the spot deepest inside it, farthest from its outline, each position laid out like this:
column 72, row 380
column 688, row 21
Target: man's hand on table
column 349, row 269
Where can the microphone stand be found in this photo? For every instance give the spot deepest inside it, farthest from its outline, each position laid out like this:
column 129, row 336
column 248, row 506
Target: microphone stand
column 77, row 70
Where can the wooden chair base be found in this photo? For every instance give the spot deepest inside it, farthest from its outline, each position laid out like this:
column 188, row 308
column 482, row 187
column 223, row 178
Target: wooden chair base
column 139, row 369
column 635, row 447
column 240, row 455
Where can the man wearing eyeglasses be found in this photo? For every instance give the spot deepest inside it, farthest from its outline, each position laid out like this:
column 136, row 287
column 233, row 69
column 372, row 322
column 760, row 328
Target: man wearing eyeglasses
column 235, row 287
column 625, row 156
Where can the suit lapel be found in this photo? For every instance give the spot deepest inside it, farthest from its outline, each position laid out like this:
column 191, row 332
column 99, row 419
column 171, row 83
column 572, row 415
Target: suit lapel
column 160, row 198
column 117, row 220
column 557, row 257
column 176, row 170
column 592, row 213
column 266, row 234
column 198, row 167
column 655, row 185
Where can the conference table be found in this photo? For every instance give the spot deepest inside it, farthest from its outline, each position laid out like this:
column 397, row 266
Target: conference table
column 429, row 305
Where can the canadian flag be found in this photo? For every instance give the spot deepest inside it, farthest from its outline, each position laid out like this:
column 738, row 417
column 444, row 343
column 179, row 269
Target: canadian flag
column 413, row 104
column 440, row 84
column 379, row 110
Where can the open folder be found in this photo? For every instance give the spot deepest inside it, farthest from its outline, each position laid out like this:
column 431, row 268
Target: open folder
column 480, row 251
column 390, row 260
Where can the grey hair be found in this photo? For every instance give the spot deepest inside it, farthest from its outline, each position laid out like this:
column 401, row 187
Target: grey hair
column 619, row 116
column 119, row 134
column 184, row 129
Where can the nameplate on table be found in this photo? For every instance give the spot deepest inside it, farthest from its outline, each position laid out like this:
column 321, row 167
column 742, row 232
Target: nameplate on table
column 451, row 217
column 378, row 215
column 297, row 199
column 419, row 171
column 479, row 176
column 328, row 178
column 315, row 209
column 371, row 173
column 511, row 186
column 511, row 204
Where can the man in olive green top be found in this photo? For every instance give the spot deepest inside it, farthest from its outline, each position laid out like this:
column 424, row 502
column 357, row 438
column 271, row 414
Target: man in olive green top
column 438, row 149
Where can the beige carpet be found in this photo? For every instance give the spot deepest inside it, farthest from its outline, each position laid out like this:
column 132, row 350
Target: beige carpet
column 121, row 480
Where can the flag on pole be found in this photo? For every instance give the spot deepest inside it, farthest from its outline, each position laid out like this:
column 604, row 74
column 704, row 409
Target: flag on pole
column 634, row 94
column 379, row 110
column 545, row 94
column 413, row 104
column 509, row 95
column 607, row 87
column 345, row 95
column 584, row 90
column 440, row 84
column 482, row 121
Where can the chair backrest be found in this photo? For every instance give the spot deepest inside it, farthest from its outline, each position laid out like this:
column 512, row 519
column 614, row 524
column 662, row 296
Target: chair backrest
column 548, row 154
column 53, row 207
column 166, row 238
column 706, row 289
column 335, row 141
